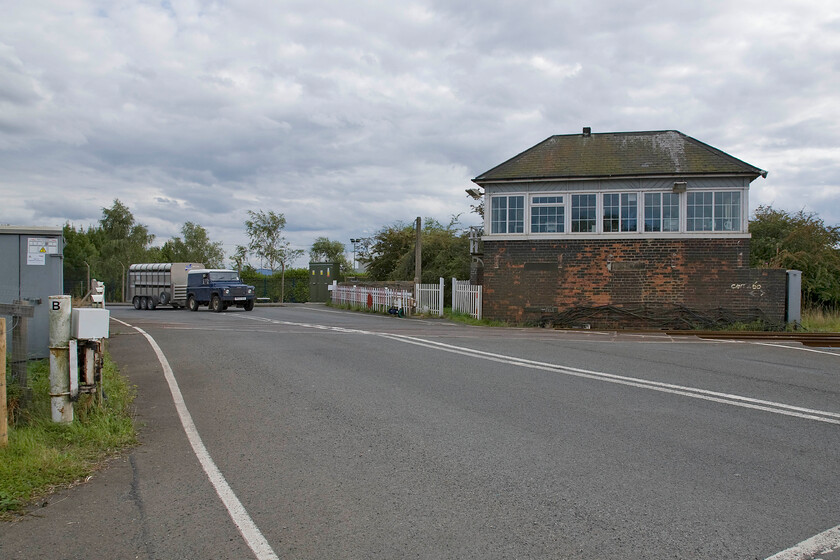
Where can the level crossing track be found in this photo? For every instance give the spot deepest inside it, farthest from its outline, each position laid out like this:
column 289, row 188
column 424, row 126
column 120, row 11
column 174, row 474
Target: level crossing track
column 815, row 340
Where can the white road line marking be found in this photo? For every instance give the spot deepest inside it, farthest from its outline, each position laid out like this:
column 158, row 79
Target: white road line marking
column 702, row 394
column 823, row 543
column 692, row 392
column 802, row 348
column 252, row 535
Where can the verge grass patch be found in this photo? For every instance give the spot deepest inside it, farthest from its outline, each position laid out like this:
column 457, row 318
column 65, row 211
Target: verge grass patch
column 819, row 319
column 42, row 456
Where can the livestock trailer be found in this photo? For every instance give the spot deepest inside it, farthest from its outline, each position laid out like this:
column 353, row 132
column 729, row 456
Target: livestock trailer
column 153, row 284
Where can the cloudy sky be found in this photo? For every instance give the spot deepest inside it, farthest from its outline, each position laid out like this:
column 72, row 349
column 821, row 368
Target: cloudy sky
column 350, row 115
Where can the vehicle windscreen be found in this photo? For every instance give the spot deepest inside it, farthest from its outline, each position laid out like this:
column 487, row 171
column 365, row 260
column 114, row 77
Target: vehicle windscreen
column 224, row 277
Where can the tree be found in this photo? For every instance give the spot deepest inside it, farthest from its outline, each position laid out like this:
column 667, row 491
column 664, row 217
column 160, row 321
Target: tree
column 386, row 249
column 445, row 252
column 106, row 251
column 324, row 250
column 195, row 247
column 80, row 252
column 265, row 231
column 240, row 258
column 799, row 241
column 121, row 241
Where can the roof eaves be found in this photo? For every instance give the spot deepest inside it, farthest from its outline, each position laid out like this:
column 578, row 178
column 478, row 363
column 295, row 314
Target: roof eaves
column 545, row 179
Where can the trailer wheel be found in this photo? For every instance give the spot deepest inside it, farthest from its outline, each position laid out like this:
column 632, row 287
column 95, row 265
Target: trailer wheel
column 192, row 304
column 152, row 302
column 216, row 303
column 136, row 302
column 164, row 298
column 144, row 302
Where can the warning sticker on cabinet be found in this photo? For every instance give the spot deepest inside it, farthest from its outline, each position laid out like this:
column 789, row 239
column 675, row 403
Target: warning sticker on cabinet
column 38, row 248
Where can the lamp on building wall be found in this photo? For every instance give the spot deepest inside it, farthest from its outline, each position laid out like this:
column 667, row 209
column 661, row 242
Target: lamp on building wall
column 680, row 186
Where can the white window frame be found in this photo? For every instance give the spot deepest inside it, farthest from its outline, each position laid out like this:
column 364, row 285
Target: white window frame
column 714, row 217
column 622, row 205
column 507, row 211
column 661, row 206
column 594, row 217
column 522, row 217
column 560, row 204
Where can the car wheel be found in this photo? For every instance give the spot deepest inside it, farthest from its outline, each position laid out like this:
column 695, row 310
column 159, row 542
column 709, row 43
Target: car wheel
column 136, row 302
column 249, row 305
column 216, row 304
column 192, row 304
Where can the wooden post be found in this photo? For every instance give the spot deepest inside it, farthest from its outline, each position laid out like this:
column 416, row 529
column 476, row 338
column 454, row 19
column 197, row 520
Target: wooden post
column 418, row 251
column 4, row 413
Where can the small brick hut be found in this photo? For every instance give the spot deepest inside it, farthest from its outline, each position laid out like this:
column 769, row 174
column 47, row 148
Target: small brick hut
column 628, row 229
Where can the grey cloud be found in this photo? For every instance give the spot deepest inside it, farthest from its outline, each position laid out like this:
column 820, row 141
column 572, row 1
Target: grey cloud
column 348, row 117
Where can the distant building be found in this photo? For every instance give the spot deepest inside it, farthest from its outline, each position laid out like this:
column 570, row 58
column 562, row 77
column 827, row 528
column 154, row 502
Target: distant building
column 629, row 229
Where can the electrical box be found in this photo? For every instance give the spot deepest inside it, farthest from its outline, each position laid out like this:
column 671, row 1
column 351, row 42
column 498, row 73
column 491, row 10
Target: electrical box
column 90, row 323
column 31, row 270
column 321, row 276
column 793, row 299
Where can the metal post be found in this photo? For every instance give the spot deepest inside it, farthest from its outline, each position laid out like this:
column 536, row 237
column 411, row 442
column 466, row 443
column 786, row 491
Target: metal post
column 4, row 413
column 60, row 405
column 20, row 350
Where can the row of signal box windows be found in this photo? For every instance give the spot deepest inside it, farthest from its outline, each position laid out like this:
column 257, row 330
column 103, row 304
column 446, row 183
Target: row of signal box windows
column 619, row 212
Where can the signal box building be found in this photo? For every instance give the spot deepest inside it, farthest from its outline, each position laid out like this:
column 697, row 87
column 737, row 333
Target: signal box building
column 630, row 229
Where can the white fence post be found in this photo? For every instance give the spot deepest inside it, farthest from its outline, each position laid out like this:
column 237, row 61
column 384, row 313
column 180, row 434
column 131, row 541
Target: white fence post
column 440, row 298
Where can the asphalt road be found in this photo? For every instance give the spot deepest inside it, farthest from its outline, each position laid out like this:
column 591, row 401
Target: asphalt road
column 348, row 435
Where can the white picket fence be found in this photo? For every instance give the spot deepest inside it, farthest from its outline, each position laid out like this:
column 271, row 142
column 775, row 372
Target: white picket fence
column 429, row 298
column 381, row 299
column 466, row 298
column 426, row 298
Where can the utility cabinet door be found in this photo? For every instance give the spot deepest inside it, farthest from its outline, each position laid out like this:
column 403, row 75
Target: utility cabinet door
column 321, row 275
column 41, row 276
column 9, row 277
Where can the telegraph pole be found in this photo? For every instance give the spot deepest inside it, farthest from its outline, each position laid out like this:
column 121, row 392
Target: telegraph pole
column 4, row 413
column 418, row 250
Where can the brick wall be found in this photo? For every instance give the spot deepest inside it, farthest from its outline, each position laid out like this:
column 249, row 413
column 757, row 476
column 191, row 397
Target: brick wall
column 629, row 283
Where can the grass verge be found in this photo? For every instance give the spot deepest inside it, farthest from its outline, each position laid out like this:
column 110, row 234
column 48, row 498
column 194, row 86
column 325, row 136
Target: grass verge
column 42, row 456
column 468, row 319
column 819, row 319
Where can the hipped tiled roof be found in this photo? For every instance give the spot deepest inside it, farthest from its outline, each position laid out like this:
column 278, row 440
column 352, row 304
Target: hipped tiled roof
column 618, row 154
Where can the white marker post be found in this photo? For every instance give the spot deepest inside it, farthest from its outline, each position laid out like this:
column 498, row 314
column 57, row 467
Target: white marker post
column 60, row 405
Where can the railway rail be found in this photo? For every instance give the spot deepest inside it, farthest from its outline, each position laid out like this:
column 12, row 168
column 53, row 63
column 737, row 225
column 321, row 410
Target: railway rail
column 806, row 339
